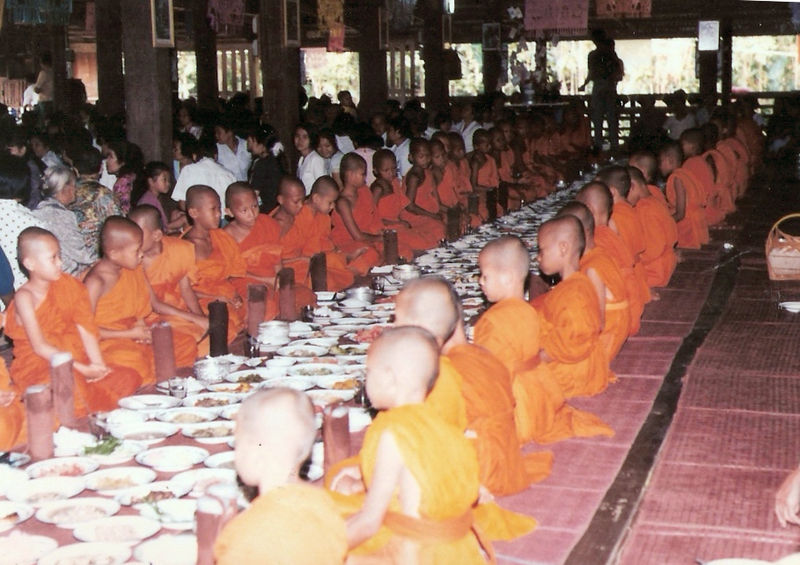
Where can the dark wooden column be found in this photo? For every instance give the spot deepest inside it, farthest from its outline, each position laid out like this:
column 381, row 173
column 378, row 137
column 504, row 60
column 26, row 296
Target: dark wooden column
column 148, row 85
column 371, row 60
column 436, row 85
column 491, row 59
column 110, row 82
column 280, row 71
column 205, row 51
column 726, row 46
column 58, row 49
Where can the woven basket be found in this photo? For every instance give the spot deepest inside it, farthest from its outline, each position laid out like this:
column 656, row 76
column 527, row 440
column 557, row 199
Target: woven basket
column 783, row 252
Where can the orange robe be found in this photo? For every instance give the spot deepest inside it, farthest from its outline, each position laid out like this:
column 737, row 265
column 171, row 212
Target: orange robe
column 571, row 337
column 446, row 398
column 658, row 194
column 486, row 387
column 301, row 522
column 213, row 278
column 722, row 192
column 699, row 167
column 13, row 430
column 610, row 241
column 693, row 228
column 629, row 227
column 510, row 330
column 432, row 230
column 165, row 273
column 311, row 234
column 617, row 317
column 366, row 217
column 448, row 189
column 65, row 307
column 750, row 134
column 736, row 154
column 391, row 207
column 661, row 235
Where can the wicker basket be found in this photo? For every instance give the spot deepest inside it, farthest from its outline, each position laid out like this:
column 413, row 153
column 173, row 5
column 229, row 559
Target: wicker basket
column 783, row 252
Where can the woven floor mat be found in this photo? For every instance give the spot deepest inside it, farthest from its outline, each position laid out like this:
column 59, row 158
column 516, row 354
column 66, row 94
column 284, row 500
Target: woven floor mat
column 624, row 416
column 733, row 439
column 734, row 335
column 675, row 305
column 585, row 464
column 667, row 548
column 543, row 546
column 651, row 356
column 689, row 280
column 726, row 499
column 733, row 389
column 762, row 308
column 660, row 328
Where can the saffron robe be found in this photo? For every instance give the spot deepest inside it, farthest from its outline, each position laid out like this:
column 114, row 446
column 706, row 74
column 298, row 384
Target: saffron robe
column 659, row 195
column 699, row 167
column 608, row 240
column 431, row 229
column 630, row 230
column 301, row 522
column 617, row 317
column 693, row 228
column 366, row 217
column 660, row 235
column 723, row 192
column 448, row 189
column 392, row 207
column 736, row 154
column 446, row 398
column 65, row 307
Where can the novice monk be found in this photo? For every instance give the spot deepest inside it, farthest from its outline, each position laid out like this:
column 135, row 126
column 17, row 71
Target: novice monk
column 424, row 209
column 511, row 330
column 309, row 230
column 660, row 232
column 609, row 285
column 596, row 196
column 170, row 268
column 571, row 352
column 52, row 313
column 124, row 303
column 420, row 473
column 703, row 168
column 217, row 257
column 647, row 163
column 274, row 433
column 685, row 197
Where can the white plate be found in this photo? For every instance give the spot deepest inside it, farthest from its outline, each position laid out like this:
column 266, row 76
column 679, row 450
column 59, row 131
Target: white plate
column 190, row 384
column 186, row 415
column 124, row 452
column 13, row 513
column 212, row 400
column 210, row 432
column 62, row 467
column 151, row 492
column 229, row 412
column 117, row 529
column 23, row 549
column 301, row 351
column 326, row 397
column 168, row 550
column 37, row 492
column 329, row 382
column 359, row 419
column 793, row 307
column 124, row 416
column 148, row 402
column 314, row 370
column 235, row 388
column 354, row 321
column 147, row 433
column 105, row 553
column 264, row 373
column 297, row 383
column 172, row 458
column 116, row 479
column 280, row 363
column 173, row 513
column 326, row 342
column 196, row 481
column 15, row 460
column 10, row 478
column 222, row 460
column 70, row 513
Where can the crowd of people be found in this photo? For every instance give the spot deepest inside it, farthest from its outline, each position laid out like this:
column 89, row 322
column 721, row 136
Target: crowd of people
column 102, row 246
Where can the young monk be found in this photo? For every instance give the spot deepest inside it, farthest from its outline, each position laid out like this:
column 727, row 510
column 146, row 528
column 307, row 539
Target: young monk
column 608, row 283
column 596, row 196
column 218, row 260
column 463, row 177
column 170, row 268
column 724, row 189
column 424, row 209
column 647, row 163
column 702, row 167
column 125, row 304
column 511, row 329
column 660, row 231
column 52, row 313
column 734, row 150
column 356, row 226
column 685, row 197
column 420, row 473
column 274, row 433
column 309, row 230
column 444, row 175
column 12, row 413
column 571, row 353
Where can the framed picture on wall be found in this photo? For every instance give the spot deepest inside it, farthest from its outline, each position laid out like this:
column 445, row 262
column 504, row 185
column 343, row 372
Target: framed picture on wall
column 291, row 29
column 163, row 23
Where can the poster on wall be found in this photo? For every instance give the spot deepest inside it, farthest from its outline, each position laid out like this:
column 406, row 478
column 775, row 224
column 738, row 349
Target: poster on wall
column 163, row 23
column 564, row 17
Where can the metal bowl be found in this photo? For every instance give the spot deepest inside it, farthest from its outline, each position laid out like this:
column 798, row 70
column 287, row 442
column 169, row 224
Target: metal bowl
column 362, row 293
column 405, row 273
column 212, row 369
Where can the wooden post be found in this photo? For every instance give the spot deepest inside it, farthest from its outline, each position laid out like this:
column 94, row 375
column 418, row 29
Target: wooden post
column 436, row 85
column 318, row 269
column 287, row 304
column 58, row 49
column 205, row 52
column 110, row 82
column 148, row 85
column 726, row 46
column 371, row 60
column 453, row 223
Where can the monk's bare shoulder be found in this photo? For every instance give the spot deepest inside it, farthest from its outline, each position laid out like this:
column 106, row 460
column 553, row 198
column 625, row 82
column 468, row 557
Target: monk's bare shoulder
column 101, row 278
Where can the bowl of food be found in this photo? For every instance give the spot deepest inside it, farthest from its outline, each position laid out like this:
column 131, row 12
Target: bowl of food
column 145, row 432
column 361, row 293
column 212, row 369
column 405, row 273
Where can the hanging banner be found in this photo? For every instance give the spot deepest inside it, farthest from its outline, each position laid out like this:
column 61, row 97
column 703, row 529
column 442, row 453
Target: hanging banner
column 612, row 9
column 50, row 12
column 564, row 17
column 226, row 17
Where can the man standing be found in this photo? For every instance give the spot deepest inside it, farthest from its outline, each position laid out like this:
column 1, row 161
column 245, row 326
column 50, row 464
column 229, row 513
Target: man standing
column 605, row 70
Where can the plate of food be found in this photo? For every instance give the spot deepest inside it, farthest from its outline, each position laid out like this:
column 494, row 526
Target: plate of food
column 229, row 412
column 222, row 460
column 172, row 458
column 113, row 451
column 196, row 481
column 351, row 352
column 13, row 513
column 187, row 415
column 235, row 388
column 172, row 513
column 70, row 513
column 210, row 432
column 302, row 351
column 338, row 382
column 151, row 492
column 10, row 478
column 148, row 402
column 296, row 383
column 47, row 489
column 110, row 481
column 24, row 549
column 212, row 399
column 314, row 370
column 62, row 467
column 88, row 553
column 117, row 529
column 324, row 398
column 326, row 342
column 168, row 550
column 146, row 432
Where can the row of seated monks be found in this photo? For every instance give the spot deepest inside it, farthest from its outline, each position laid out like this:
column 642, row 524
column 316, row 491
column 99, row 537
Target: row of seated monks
column 454, row 414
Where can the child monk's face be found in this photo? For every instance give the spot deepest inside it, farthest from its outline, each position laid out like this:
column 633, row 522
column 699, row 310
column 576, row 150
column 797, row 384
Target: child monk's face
column 666, row 164
column 499, row 141
column 492, row 279
column 291, row 200
column 130, row 254
column 206, row 213
column 244, row 208
column 458, row 151
column 43, row 259
column 355, row 178
column 323, row 202
column 421, row 157
column 387, row 170
column 508, row 131
column 438, row 156
column 150, row 237
column 482, row 144
column 551, row 254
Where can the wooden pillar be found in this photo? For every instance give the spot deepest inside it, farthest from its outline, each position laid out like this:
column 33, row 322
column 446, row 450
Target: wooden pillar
column 110, row 82
column 148, row 85
column 726, row 46
column 436, row 87
column 491, row 70
column 205, row 52
column 58, row 50
column 280, row 71
column 373, row 80
column 708, row 72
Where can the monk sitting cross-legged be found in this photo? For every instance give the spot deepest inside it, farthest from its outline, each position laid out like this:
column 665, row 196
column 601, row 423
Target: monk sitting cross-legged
column 51, row 313
column 274, row 433
column 571, row 352
column 170, row 268
column 309, row 230
column 217, row 257
column 612, row 294
column 685, row 196
column 419, row 472
column 703, row 167
column 124, row 302
column 424, row 211
column 511, row 331
column 647, row 163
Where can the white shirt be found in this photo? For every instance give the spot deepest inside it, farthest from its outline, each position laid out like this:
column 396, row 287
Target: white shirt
column 14, row 217
column 333, row 164
column 367, row 154
column 106, row 179
column 467, row 133
column 206, row 171
column 238, row 163
column 29, row 97
column 676, row 127
column 401, row 154
column 310, row 168
column 345, row 144
column 50, row 159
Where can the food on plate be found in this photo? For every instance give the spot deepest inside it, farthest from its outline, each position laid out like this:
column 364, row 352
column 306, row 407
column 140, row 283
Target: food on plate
column 211, row 431
column 211, row 402
column 345, row 384
column 60, row 470
column 188, row 418
column 251, row 378
column 105, row 446
column 114, row 483
column 144, row 436
column 153, row 496
column 313, row 371
column 368, row 335
column 348, row 350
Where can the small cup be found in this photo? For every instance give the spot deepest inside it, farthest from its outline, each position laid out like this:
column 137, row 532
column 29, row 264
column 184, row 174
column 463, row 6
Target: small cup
column 177, row 387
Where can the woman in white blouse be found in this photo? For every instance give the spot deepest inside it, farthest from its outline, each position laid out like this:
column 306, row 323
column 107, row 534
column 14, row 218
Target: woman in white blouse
column 311, row 166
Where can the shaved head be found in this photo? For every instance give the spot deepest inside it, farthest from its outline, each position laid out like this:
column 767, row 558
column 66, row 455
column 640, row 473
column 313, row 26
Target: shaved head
column 198, row 194
column 584, row 215
column 324, row 186
column 117, row 232
column 596, row 196
column 693, row 142
column 616, row 177
column 428, row 303
column 402, row 362
column 30, row 242
column 233, row 190
column 565, row 229
column 290, row 186
column 507, row 253
column 672, row 150
column 646, row 162
column 148, row 216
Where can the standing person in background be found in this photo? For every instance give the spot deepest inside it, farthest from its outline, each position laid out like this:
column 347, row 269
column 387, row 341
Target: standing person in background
column 29, row 97
column 231, row 150
column 44, row 87
column 311, row 165
column 605, row 70
column 94, row 202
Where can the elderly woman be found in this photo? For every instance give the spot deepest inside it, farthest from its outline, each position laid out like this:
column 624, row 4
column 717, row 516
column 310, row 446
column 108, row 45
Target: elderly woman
column 59, row 190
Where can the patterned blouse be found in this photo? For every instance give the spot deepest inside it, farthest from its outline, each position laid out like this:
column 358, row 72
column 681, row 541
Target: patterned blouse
column 93, row 204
